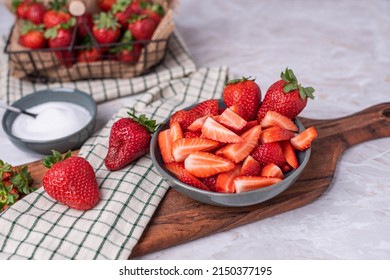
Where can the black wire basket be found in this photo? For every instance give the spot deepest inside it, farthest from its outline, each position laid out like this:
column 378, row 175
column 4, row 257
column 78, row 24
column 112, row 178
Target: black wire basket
column 49, row 65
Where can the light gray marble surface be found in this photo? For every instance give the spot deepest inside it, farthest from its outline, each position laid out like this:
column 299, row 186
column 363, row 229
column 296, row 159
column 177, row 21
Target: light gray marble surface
column 340, row 47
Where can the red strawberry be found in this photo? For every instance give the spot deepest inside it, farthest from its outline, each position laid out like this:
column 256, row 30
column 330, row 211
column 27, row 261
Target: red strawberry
column 248, row 126
column 245, row 93
column 129, row 140
column 21, row 8
column 106, row 28
column 206, row 108
column 84, row 24
column 273, row 118
column 128, row 51
column 56, row 14
column 185, row 146
column 198, row 124
column 225, row 180
column 210, row 182
column 106, row 5
column 250, row 167
column 71, row 181
column 272, row 170
column 204, row 164
column 155, row 11
column 164, row 141
column 286, row 97
column 269, row 153
column 60, row 36
column 176, row 132
column 304, row 139
column 184, row 118
column 192, row 134
column 250, row 183
column 184, row 176
column 289, row 154
column 32, row 36
column 232, row 120
column 142, row 28
column 215, row 131
column 89, row 55
column 122, row 11
column 35, row 12
column 274, row 134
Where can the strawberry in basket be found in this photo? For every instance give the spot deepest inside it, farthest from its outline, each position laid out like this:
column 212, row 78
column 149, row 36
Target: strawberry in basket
column 128, row 52
column 35, row 12
column 106, row 28
column 142, row 27
column 31, row 36
column 56, row 14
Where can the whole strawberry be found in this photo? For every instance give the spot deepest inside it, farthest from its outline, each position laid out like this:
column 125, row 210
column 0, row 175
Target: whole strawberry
column 106, row 28
column 142, row 27
column 122, row 11
column 84, row 24
column 245, row 93
column 56, row 14
column 286, row 97
column 127, row 52
column 106, row 5
column 155, row 11
column 20, row 8
column 35, row 12
column 71, row 181
column 129, row 140
column 31, row 36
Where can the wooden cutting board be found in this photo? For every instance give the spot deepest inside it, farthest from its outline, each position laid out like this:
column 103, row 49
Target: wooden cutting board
column 179, row 219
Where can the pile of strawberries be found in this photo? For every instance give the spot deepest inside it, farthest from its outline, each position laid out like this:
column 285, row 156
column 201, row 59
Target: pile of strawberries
column 248, row 144
column 124, row 23
column 15, row 183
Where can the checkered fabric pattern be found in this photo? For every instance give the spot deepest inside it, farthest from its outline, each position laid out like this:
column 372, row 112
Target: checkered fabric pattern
column 37, row 227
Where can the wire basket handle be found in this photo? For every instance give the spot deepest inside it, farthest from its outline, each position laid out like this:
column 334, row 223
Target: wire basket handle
column 77, row 8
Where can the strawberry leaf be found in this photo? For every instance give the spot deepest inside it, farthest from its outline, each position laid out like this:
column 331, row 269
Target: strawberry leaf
column 22, row 181
column 150, row 125
column 49, row 161
column 290, row 87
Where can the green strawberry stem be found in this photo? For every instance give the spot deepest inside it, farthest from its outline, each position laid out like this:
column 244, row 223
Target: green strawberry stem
column 243, row 79
column 106, row 21
column 292, row 84
column 58, row 5
column 120, row 6
column 6, row 196
column 22, row 180
column 49, row 161
column 4, row 167
column 150, row 125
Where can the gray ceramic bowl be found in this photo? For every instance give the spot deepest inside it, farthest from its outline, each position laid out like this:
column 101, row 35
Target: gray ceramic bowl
column 227, row 199
column 70, row 142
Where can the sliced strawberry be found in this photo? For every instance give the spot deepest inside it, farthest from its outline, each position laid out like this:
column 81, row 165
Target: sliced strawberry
column 272, row 170
column 232, row 120
column 250, row 183
column 286, row 167
column 289, row 154
column 269, row 153
column 250, row 167
column 237, row 152
column 274, row 134
column 197, row 124
column 303, row 140
column 210, row 182
column 204, row 164
column 165, row 144
column 225, row 180
column 215, row 131
column 184, row 176
column 185, row 146
column 207, row 107
column 176, row 132
column 184, row 118
column 273, row 118
column 192, row 134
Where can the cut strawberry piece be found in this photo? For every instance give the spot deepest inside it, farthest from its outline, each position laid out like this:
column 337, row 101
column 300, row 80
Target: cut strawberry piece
column 185, row 146
column 272, row 170
column 184, row 176
column 197, row 124
column 215, row 131
column 165, row 144
column 237, row 152
column 273, row 118
column 204, row 164
column 250, row 183
column 207, row 107
column 248, row 126
column 250, row 167
column 232, row 120
column 289, row 154
column 210, row 182
column 303, row 140
column 225, row 180
column 184, row 118
column 286, row 167
column 274, row 134
column 192, row 134
column 176, row 132
column 269, row 153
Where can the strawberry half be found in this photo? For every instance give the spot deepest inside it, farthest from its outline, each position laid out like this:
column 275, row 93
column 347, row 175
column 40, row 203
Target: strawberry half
column 215, row 131
column 204, row 164
column 184, row 176
column 183, row 147
column 273, row 118
column 250, row 183
column 232, row 120
column 304, row 139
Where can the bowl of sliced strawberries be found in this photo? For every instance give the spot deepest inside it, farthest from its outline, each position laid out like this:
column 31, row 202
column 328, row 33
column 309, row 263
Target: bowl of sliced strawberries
column 238, row 150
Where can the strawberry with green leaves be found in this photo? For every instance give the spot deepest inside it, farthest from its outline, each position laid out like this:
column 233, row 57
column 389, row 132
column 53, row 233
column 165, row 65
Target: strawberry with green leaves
column 155, row 11
column 106, row 28
column 129, row 140
column 60, row 36
column 56, row 14
column 122, row 12
column 286, row 97
column 32, row 36
column 244, row 93
column 127, row 51
column 71, row 181
column 20, row 7
column 142, row 27
column 35, row 12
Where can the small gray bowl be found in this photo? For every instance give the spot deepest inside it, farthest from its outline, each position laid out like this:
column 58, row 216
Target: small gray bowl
column 227, row 199
column 70, row 142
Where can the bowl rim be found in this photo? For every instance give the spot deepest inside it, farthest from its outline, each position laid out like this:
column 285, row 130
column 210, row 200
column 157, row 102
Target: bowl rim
column 167, row 176
column 56, row 140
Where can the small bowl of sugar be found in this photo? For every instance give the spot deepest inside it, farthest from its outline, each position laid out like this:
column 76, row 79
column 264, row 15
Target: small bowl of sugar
column 65, row 119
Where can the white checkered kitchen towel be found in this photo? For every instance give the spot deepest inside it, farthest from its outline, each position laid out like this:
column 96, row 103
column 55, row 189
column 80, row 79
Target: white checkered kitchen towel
column 36, row 227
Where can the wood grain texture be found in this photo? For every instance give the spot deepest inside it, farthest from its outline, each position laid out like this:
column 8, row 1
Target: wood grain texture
column 179, row 219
